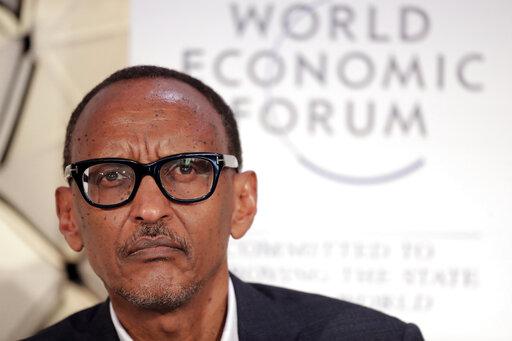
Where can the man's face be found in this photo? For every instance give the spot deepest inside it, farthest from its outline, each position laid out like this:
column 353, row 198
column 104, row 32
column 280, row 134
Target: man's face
column 145, row 120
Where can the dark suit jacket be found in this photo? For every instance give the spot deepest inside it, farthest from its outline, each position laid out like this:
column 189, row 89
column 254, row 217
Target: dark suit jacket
column 264, row 313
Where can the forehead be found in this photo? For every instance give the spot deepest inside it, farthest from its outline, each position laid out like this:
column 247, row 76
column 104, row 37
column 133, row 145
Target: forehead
column 155, row 116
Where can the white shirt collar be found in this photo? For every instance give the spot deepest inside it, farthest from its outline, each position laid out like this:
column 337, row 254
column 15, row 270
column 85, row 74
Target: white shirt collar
column 229, row 333
column 121, row 332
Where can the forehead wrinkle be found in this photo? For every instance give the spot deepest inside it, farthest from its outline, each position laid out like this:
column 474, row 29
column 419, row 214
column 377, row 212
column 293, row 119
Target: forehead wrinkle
column 204, row 142
column 120, row 149
column 163, row 146
column 146, row 144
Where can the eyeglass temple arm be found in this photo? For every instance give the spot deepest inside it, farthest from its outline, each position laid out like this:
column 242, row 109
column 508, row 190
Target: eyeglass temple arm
column 230, row 161
column 67, row 171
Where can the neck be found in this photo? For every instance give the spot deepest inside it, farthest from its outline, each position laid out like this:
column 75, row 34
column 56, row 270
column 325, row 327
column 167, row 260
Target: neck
column 202, row 318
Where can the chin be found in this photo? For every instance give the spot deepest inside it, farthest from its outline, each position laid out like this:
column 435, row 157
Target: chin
column 158, row 293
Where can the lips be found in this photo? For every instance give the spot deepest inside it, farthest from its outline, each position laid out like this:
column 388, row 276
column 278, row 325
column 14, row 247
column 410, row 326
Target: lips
column 153, row 244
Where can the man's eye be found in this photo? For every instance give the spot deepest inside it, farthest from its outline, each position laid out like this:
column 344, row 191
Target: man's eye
column 185, row 169
column 111, row 178
column 194, row 166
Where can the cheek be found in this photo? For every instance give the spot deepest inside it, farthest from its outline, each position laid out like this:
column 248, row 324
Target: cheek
column 208, row 224
column 100, row 231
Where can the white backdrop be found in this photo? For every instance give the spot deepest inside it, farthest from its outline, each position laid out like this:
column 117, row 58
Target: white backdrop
column 380, row 133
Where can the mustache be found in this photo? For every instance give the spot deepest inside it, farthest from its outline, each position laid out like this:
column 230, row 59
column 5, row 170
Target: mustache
column 155, row 230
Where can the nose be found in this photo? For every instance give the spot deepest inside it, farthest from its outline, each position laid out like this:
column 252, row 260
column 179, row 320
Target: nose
column 149, row 204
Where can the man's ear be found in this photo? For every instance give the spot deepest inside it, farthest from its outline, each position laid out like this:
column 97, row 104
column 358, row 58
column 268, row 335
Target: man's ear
column 246, row 193
column 67, row 224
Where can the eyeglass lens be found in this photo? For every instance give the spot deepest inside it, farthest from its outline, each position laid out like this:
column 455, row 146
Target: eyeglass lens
column 112, row 183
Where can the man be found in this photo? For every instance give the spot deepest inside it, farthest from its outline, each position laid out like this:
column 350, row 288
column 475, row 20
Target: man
column 153, row 161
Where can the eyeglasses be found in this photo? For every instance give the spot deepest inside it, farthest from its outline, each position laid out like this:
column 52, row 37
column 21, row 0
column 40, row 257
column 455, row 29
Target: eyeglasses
column 113, row 182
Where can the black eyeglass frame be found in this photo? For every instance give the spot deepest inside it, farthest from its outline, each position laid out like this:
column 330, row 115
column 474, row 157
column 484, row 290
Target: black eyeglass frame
column 218, row 161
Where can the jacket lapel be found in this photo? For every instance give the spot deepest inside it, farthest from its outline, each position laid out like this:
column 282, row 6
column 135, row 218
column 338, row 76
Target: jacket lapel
column 101, row 326
column 259, row 317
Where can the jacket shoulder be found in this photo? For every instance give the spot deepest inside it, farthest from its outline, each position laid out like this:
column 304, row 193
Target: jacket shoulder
column 83, row 325
column 317, row 317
